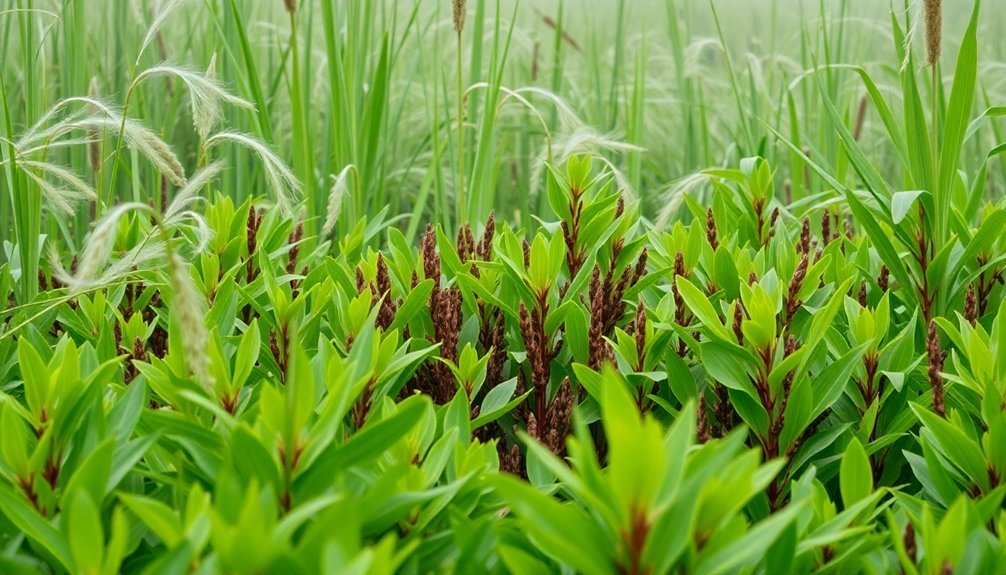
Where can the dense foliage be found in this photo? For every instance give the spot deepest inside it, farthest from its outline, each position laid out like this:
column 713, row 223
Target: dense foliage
column 802, row 371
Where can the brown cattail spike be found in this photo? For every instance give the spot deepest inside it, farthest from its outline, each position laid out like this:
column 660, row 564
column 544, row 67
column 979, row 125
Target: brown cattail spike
column 934, row 30
column 291, row 6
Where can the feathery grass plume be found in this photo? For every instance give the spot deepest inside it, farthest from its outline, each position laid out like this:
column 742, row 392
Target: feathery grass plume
column 148, row 254
column 188, row 194
column 170, row 8
column 211, row 75
column 189, row 307
column 340, row 186
column 42, row 136
column 584, row 141
column 460, row 12
column 47, row 134
column 674, row 196
column 934, row 30
column 180, row 211
column 568, row 119
column 153, row 148
column 281, row 179
column 63, row 198
column 205, row 94
column 97, row 249
column 290, row 6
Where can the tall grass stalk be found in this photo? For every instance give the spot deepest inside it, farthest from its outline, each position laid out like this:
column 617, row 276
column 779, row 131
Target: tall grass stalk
column 460, row 8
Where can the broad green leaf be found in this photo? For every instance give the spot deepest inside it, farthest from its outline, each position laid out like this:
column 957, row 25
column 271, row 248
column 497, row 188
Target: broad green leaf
column 158, row 517
column 563, row 531
column 703, row 309
column 856, row 475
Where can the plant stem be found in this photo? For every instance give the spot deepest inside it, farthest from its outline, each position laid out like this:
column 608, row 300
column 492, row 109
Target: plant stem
column 462, row 206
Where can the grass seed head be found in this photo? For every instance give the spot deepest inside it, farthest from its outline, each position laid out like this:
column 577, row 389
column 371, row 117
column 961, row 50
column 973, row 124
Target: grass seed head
column 206, row 94
column 189, row 307
column 336, row 197
column 934, row 30
column 460, row 11
column 96, row 253
column 283, row 183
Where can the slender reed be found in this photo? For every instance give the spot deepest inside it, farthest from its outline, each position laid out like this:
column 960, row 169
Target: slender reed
column 460, row 11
